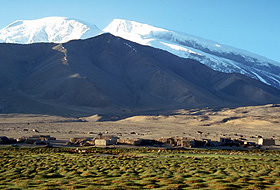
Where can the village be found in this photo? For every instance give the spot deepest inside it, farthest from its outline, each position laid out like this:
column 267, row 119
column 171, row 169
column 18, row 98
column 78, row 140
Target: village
column 105, row 140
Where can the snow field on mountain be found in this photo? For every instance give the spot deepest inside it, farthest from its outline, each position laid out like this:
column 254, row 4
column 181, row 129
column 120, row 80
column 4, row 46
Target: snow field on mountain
column 50, row 29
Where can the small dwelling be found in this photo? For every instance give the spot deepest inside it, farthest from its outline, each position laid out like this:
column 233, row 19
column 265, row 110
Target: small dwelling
column 225, row 140
column 106, row 140
column 134, row 142
column 266, row 142
column 102, row 142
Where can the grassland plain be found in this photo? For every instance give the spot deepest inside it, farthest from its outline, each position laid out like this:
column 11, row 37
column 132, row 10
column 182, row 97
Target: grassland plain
column 142, row 168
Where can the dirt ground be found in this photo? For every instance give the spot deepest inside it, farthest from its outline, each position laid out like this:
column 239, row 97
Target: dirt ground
column 243, row 122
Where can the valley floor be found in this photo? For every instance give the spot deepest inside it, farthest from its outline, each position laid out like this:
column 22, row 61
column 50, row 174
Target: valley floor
column 243, row 122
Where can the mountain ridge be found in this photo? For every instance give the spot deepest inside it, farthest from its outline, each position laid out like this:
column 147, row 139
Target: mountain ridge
column 105, row 73
column 216, row 56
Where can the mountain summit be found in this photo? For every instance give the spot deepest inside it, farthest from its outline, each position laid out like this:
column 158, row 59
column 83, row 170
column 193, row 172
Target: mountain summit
column 49, row 29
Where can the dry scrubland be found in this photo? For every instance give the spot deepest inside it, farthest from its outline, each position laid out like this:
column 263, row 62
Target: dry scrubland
column 246, row 122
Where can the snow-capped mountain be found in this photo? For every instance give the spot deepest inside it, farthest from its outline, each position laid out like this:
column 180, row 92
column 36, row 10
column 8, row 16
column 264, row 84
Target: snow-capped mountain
column 49, row 29
column 217, row 56
column 213, row 54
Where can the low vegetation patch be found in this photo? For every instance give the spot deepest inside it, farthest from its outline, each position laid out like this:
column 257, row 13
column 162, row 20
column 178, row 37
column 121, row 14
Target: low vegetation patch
column 64, row 168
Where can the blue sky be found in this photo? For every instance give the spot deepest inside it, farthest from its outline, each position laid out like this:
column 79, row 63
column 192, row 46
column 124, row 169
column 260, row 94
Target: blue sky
column 253, row 25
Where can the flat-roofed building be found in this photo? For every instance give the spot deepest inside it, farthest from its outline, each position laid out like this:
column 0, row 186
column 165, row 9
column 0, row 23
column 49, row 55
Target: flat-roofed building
column 266, row 142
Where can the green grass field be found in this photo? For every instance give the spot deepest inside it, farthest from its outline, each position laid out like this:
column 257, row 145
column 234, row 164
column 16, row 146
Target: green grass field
column 60, row 168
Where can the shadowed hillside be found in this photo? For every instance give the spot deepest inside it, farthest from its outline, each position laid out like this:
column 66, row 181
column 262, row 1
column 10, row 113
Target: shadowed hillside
column 108, row 74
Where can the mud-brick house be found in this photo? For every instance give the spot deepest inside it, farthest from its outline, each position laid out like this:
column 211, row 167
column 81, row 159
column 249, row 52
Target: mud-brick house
column 184, row 142
column 133, row 142
column 225, row 141
column 102, row 142
column 266, row 142
column 106, row 140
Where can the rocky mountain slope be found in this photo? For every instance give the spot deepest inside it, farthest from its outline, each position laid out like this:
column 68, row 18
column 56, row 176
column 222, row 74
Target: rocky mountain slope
column 109, row 73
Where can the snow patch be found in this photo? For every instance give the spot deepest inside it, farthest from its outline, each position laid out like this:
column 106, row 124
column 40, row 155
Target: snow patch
column 77, row 75
column 179, row 48
column 133, row 49
column 260, row 78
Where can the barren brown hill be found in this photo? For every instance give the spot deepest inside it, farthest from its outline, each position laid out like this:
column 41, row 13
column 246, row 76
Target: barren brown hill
column 107, row 74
